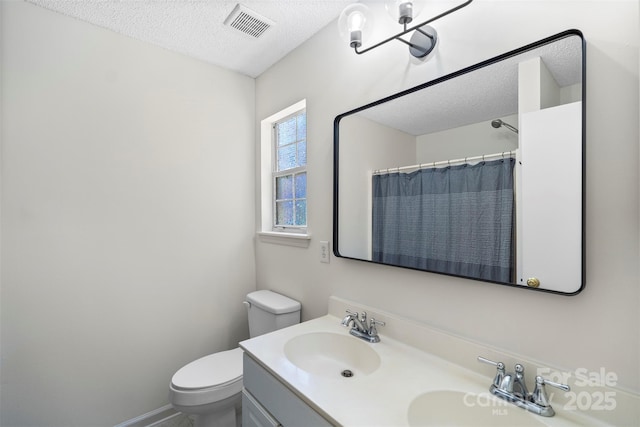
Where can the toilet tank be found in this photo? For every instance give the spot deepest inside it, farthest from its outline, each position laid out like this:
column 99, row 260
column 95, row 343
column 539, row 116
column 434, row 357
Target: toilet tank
column 270, row 311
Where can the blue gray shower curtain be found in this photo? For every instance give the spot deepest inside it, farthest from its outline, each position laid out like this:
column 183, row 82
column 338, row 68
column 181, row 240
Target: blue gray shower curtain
column 455, row 220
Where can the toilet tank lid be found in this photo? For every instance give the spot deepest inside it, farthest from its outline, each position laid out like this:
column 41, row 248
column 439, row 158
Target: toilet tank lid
column 273, row 302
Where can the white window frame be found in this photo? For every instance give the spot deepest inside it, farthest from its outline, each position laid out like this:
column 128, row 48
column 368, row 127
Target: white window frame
column 275, row 173
column 293, row 236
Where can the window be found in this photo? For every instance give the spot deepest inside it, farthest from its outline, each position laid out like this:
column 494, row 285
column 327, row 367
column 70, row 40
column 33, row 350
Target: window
column 283, row 177
column 290, row 173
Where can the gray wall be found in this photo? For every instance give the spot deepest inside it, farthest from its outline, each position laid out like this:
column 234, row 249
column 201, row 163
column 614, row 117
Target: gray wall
column 125, row 251
column 597, row 328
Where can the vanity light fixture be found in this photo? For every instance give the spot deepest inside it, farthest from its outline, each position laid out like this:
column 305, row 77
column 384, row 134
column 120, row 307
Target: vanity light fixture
column 356, row 21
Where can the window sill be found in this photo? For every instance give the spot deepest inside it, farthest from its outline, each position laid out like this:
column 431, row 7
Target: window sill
column 287, row 239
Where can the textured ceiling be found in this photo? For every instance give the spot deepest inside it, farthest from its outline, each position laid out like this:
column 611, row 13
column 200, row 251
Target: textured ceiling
column 196, row 27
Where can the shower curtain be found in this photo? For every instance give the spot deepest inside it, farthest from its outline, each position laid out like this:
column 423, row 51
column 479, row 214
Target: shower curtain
column 454, row 220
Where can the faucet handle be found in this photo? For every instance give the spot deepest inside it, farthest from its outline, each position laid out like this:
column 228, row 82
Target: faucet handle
column 375, row 321
column 498, row 365
column 543, row 381
column 372, row 326
column 539, row 395
column 497, row 381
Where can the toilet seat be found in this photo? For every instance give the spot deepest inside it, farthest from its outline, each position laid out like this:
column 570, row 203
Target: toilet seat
column 208, row 379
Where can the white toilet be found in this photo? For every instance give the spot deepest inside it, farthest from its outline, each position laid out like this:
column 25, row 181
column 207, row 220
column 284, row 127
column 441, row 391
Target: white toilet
column 210, row 388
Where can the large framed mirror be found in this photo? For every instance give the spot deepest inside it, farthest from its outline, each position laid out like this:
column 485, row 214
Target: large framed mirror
column 478, row 174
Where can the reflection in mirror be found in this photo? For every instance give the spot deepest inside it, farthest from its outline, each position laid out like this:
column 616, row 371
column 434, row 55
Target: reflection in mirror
column 478, row 174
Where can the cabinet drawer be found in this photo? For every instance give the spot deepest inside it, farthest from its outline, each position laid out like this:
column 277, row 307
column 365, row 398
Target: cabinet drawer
column 277, row 399
column 254, row 415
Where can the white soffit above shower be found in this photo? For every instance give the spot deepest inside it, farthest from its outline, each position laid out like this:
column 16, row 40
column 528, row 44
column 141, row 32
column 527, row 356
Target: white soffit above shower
column 196, row 28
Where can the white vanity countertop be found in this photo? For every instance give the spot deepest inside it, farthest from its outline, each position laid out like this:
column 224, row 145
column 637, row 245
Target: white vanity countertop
column 383, row 397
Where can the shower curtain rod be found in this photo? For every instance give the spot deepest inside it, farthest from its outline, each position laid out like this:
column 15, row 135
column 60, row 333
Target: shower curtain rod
column 504, row 154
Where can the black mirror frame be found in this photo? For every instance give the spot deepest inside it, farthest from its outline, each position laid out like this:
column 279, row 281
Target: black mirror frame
column 539, row 43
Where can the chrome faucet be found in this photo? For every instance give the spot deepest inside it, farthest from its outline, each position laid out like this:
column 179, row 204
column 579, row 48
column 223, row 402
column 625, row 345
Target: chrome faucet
column 360, row 328
column 513, row 388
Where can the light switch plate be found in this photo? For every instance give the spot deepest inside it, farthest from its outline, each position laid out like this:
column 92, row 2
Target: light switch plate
column 324, row 251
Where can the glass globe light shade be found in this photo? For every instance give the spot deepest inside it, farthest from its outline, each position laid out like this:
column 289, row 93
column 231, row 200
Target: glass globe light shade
column 355, row 23
column 404, row 11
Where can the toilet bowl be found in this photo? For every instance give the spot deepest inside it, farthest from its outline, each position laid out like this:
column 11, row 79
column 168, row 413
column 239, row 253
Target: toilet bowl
column 210, row 388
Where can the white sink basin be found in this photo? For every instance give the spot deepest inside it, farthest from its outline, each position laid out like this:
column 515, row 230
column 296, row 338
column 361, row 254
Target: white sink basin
column 455, row 408
column 330, row 354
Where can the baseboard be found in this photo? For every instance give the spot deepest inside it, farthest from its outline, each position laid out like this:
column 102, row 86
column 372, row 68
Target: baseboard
column 152, row 418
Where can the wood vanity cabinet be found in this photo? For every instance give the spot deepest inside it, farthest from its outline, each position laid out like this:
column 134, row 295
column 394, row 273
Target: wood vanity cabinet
column 266, row 402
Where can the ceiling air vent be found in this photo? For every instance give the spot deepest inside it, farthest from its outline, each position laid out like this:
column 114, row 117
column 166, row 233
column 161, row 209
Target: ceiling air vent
column 247, row 21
